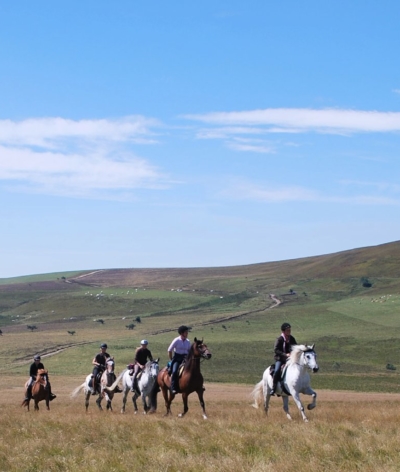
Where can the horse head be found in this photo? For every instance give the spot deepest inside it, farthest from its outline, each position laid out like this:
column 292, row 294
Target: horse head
column 41, row 376
column 153, row 368
column 200, row 349
column 310, row 358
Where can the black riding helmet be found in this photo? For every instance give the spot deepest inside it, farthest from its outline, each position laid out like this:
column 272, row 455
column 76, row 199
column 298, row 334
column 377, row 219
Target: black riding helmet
column 285, row 326
column 104, row 345
column 182, row 329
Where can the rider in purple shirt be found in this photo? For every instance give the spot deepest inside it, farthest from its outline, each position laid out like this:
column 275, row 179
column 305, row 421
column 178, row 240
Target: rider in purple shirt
column 177, row 352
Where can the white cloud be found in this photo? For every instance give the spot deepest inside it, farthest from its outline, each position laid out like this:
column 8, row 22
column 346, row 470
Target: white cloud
column 305, row 120
column 86, row 157
column 243, row 190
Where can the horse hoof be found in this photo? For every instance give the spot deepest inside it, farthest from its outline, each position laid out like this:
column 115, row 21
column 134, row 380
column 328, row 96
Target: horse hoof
column 311, row 406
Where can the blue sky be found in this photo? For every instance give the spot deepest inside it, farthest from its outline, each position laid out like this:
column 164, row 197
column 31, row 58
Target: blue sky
column 187, row 134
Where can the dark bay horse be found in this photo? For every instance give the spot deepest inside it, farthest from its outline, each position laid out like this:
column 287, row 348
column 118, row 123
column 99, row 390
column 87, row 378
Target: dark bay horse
column 40, row 390
column 190, row 381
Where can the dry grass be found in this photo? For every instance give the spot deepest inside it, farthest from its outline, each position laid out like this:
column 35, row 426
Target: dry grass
column 346, row 432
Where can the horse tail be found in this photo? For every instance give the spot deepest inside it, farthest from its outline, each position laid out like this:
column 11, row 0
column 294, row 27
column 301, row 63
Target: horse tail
column 112, row 387
column 257, row 395
column 77, row 390
column 24, row 402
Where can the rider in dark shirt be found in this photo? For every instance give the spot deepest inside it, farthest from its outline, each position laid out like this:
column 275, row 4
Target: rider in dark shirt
column 99, row 363
column 283, row 346
column 33, row 370
column 142, row 354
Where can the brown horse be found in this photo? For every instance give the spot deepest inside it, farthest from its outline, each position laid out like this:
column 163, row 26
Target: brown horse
column 40, row 390
column 190, row 380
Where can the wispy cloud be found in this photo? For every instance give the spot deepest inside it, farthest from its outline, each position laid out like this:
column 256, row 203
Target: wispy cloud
column 275, row 193
column 77, row 158
column 295, row 120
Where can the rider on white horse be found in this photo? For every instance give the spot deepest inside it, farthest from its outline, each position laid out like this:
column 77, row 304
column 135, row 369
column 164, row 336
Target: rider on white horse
column 283, row 346
column 142, row 354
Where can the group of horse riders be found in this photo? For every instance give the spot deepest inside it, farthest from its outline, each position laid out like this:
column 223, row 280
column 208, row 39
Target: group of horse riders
column 177, row 352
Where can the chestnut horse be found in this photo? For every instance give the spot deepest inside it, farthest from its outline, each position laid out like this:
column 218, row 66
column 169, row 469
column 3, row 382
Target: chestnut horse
column 191, row 379
column 40, row 390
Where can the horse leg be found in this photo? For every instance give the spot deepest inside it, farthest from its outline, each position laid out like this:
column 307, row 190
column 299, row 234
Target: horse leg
column 98, row 402
column 285, row 401
column 144, row 402
column 168, row 397
column 200, row 394
column 310, row 391
column 47, row 402
column 126, row 389
column 134, row 397
column 87, row 396
column 185, row 404
column 296, row 398
column 267, row 395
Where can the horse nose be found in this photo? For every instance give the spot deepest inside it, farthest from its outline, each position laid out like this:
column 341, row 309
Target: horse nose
column 209, row 355
column 316, row 369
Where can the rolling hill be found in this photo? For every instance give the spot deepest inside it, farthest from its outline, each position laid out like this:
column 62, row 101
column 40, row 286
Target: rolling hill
column 347, row 303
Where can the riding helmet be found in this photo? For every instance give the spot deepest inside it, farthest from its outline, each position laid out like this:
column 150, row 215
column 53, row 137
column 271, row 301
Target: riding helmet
column 36, row 358
column 182, row 329
column 285, row 326
column 144, row 342
column 104, row 345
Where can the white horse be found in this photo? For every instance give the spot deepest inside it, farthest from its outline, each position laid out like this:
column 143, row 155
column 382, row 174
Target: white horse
column 295, row 380
column 105, row 389
column 146, row 382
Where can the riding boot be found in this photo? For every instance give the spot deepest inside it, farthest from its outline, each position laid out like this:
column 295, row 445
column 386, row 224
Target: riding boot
column 94, row 386
column 28, row 393
column 134, row 383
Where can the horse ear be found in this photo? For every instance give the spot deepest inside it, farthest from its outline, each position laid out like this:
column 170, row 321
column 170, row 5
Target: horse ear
column 312, row 347
column 157, row 360
column 195, row 340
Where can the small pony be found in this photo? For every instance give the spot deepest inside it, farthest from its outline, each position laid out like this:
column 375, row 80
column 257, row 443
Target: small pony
column 190, row 381
column 146, row 381
column 295, row 380
column 108, row 384
column 40, row 390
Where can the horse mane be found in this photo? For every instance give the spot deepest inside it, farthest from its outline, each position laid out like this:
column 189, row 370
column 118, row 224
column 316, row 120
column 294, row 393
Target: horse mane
column 296, row 352
column 42, row 372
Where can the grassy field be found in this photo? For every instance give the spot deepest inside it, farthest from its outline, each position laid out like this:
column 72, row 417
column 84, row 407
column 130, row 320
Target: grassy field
column 65, row 316
column 346, row 432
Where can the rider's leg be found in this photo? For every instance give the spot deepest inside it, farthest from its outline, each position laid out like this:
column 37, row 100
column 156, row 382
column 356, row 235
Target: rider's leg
column 29, row 390
column 135, row 372
column 276, row 376
column 94, row 378
column 174, row 376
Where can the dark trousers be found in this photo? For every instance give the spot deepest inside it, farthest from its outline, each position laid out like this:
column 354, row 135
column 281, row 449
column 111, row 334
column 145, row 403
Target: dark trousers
column 176, row 362
column 277, row 373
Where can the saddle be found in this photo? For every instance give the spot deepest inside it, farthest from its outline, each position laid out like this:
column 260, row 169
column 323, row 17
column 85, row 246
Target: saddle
column 281, row 377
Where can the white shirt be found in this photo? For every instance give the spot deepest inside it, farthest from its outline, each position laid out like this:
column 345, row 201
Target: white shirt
column 180, row 346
